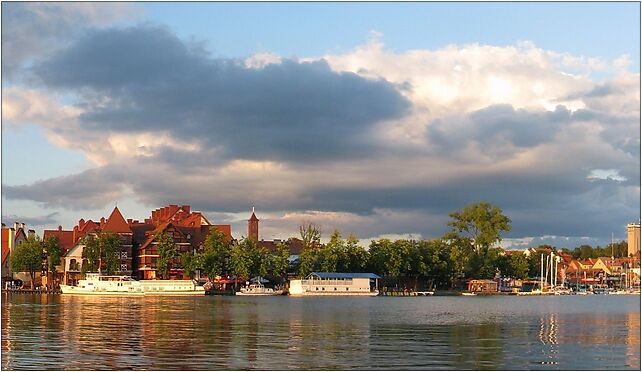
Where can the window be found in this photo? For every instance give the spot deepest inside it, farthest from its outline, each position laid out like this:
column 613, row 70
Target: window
column 123, row 255
column 123, row 267
column 347, row 289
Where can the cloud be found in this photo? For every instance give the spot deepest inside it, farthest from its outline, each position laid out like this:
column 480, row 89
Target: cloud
column 372, row 141
column 46, row 220
column 30, row 30
column 145, row 79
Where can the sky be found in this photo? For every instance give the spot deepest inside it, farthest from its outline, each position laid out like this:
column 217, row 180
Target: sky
column 377, row 119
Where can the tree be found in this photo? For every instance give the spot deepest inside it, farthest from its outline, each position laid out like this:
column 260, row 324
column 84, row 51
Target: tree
column 310, row 234
column 216, row 255
column 166, row 253
column 90, row 255
column 27, row 256
column 332, row 253
column 54, row 252
column 110, row 245
column 311, row 237
column 357, row 256
column 241, row 260
column 280, row 261
column 190, row 262
column 101, row 252
column 482, row 223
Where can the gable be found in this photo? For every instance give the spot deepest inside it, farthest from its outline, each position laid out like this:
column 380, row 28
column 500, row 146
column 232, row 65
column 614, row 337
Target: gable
column 116, row 223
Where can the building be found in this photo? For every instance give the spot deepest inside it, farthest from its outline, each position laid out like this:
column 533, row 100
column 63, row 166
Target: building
column 253, row 227
column 188, row 228
column 115, row 223
column 335, row 284
column 8, row 234
column 633, row 235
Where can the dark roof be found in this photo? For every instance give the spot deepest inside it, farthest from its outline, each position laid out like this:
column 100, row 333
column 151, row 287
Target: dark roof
column 326, row 275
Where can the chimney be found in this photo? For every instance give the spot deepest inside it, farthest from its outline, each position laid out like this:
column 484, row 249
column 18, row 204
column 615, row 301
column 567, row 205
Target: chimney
column 186, row 208
column 31, row 233
column 16, row 226
column 148, row 220
column 129, row 221
column 3, row 225
column 22, row 224
column 59, row 227
column 102, row 221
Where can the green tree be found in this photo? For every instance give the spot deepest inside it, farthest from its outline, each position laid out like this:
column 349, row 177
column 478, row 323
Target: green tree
column 332, row 253
column 110, row 245
column 520, row 266
column 90, row 255
column 241, row 261
column 482, row 223
column 166, row 253
column 281, row 261
column 216, row 255
column 54, row 252
column 190, row 262
column 101, row 252
column 357, row 256
column 27, row 256
column 308, row 259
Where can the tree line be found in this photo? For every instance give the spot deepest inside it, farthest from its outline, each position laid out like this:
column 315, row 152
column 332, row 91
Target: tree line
column 468, row 250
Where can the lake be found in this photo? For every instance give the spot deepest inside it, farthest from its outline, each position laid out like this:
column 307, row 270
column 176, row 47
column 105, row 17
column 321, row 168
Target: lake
column 218, row 332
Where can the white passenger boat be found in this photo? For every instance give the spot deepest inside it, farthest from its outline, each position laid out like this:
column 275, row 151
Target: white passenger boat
column 258, row 289
column 96, row 284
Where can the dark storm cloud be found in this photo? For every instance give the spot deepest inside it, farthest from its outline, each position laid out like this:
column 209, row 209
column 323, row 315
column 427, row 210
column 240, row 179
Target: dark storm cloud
column 145, row 79
column 90, row 189
column 499, row 125
column 46, row 220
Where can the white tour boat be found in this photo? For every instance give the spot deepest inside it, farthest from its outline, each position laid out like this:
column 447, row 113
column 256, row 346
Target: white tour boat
column 96, row 284
column 258, row 289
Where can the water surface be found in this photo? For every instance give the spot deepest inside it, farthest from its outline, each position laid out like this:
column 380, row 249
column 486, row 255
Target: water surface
column 212, row 332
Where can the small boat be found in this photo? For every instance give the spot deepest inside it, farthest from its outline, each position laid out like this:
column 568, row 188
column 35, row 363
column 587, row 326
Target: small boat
column 468, row 294
column 258, row 289
column 425, row 293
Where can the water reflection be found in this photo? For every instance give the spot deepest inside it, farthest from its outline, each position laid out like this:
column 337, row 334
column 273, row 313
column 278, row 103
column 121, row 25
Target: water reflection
column 77, row 332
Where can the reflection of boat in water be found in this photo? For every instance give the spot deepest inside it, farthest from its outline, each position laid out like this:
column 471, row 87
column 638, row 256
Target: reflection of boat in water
column 468, row 294
column 96, row 284
column 258, row 289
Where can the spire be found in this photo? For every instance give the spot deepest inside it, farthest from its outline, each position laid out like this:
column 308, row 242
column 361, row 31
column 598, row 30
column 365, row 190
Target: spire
column 253, row 227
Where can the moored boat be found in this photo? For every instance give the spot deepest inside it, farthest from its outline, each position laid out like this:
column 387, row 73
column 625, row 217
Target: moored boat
column 258, row 289
column 96, row 284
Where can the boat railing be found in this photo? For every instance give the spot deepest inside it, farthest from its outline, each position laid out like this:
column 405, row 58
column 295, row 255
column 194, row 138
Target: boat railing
column 339, row 282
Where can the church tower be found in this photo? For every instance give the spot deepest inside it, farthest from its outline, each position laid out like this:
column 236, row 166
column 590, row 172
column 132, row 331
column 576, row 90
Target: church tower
column 253, row 227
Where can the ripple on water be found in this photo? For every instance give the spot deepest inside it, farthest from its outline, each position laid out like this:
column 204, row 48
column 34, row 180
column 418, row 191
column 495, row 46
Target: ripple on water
column 75, row 333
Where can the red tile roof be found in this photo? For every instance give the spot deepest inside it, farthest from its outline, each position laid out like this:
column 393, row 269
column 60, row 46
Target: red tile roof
column 253, row 217
column 116, row 223
column 65, row 238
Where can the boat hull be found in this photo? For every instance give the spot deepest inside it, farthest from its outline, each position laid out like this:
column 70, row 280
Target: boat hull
column 276, row 293
column 368, row 294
